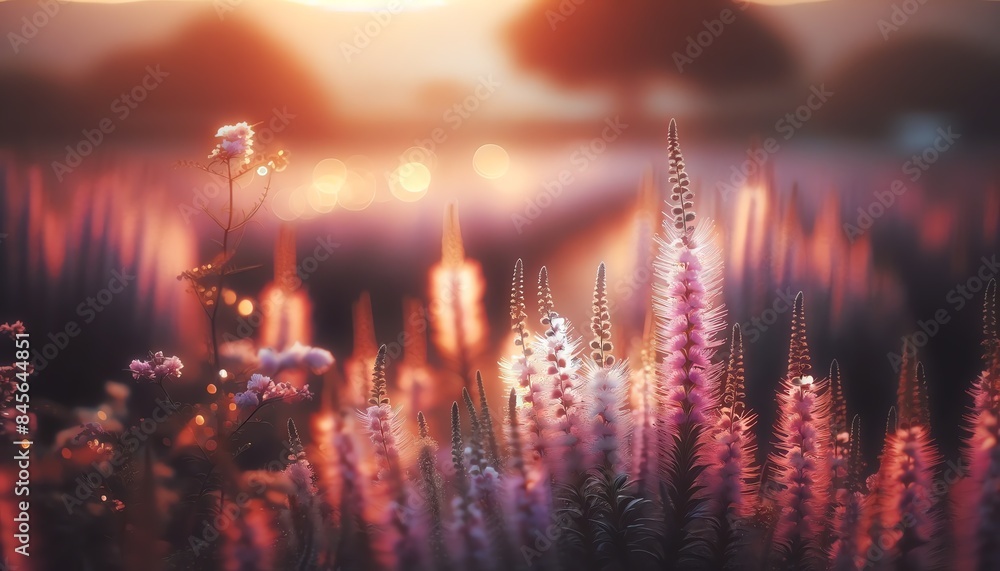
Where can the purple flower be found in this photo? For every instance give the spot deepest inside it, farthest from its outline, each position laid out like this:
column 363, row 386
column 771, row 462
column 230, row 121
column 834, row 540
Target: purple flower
column 318, row 360
column 261, row 389
column 141, row 370
column 268, row 361
column 287, row 392
column 259, row 383
column 170, row 368
column 157, row 369
column 237, row 142
column 298, row 356
column 246, row 400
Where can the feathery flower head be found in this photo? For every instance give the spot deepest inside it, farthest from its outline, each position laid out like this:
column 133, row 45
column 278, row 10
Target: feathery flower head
column 800, row 454
column 991, row 331
column 300, row 472
column 384, row 427
column 545, row 306
column 733, row 477
column 521, row 369
column 518, row 314
column 908, row 484
column 607, row 409
column 799, row 362
column 600, row 322
column 379, row 396
column 564, row 417
column 689, row 314
column 683, row 212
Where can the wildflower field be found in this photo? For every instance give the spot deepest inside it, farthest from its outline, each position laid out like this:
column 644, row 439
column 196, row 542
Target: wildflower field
column 531, row 285
column 592, row 457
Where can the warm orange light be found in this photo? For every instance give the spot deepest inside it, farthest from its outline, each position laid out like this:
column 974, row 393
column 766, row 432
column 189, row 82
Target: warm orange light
column 319, row 200
column 358, row 191
column 329, row 176
column 286, row 318
column 456, row 307
column 245, row 307
column 211, row 389
column 199, row 420
column 491, row 161
column 414, row 177
column 229, row 296
column 410, row 181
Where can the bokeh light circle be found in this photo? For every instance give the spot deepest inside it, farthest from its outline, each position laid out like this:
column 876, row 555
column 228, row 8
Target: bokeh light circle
column 280, row 206
column 358, row 191
column 329, row 175
column 491, row 161
column 419, row 155
column 410, row 181
column 299, row 203
column 320, row 200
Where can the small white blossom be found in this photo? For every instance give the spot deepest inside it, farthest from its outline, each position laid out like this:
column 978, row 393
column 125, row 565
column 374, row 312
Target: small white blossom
column 237, row 142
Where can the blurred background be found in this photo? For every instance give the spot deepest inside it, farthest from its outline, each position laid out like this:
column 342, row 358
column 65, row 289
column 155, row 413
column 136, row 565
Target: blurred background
column 846, row 148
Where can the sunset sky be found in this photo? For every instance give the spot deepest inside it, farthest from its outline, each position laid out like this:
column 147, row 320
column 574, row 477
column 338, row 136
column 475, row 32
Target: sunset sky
column 439, row 46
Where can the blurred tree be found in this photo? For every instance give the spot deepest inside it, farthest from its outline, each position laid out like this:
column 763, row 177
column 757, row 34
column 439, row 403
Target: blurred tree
column 718, row 45
column 210, row 73
column 885, row 89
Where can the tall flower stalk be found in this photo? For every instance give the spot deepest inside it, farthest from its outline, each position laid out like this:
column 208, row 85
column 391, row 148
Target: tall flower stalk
column 231, row 160
column 354, row 549
column 848, row 517
column 733, row 476
column 457, row 301
column 384, row 427
column 800, row 458
column 431, row 491
column 644, row 443
column 520, row 371
column 564, row 414
column 977, row 496
column 606, row 388
column 689, row 316
column 469, row 515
